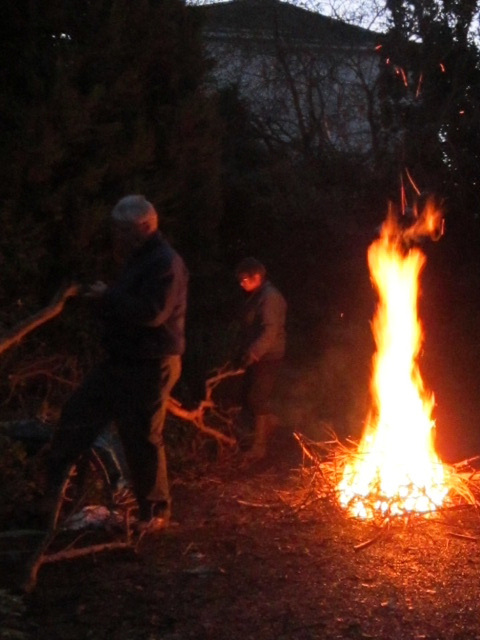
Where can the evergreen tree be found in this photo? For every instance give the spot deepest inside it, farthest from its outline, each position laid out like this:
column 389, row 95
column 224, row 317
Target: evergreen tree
column 98, row 99
column 103, row 98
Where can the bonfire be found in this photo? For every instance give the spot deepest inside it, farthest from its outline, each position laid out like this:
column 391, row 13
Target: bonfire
column 394, row 469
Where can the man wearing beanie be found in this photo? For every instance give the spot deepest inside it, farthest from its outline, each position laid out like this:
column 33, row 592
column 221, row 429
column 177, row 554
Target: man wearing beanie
column 143, row 314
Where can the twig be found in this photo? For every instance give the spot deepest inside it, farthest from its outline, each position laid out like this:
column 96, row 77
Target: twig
column 465, row 463
column 197, row 416
column 256, row 504
column 68, row 554
column 463, row 536
column 367, row 543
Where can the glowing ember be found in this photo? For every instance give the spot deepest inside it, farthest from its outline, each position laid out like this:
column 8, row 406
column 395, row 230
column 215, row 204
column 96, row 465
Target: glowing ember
column 396, row 470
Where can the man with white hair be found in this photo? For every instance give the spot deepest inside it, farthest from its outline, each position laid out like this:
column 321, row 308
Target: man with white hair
column 144, row 320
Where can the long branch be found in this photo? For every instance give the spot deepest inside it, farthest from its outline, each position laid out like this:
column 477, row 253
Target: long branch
column 20, row 330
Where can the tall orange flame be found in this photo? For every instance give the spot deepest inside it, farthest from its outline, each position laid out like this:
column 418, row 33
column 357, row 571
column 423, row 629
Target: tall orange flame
column 396, row 470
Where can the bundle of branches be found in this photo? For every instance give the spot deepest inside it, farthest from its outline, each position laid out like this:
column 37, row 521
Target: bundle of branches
column 324, row 464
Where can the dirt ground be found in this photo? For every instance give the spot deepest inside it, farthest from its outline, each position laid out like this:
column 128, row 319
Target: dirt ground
column 248, row 557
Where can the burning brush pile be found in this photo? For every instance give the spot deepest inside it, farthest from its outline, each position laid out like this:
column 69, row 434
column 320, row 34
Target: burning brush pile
column 394, row 470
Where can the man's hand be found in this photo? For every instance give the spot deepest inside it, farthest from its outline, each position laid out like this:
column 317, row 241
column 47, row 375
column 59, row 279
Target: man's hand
column 96, row 290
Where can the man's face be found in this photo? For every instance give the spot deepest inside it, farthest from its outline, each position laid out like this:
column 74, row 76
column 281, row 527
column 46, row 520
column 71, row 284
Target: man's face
column 250, row 282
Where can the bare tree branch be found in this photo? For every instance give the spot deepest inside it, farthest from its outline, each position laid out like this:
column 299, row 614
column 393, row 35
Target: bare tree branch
column 197, row 415
column 20, row 330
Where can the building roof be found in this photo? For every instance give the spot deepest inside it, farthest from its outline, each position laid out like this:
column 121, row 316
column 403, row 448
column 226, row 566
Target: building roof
column 273, row 18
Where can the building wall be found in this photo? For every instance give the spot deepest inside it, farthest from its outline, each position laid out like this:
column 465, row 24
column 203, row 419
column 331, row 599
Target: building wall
column 306, row 92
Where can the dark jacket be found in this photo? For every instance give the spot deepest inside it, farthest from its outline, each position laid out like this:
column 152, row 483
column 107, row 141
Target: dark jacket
column 262, row 334
column 144, row 310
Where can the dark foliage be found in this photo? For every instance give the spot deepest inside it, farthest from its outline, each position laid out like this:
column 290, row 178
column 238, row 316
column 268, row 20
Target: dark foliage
column 98, row 100
column 105, row 101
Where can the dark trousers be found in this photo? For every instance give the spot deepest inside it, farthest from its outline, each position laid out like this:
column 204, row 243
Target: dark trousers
column 133, row 395
column 259, row 386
